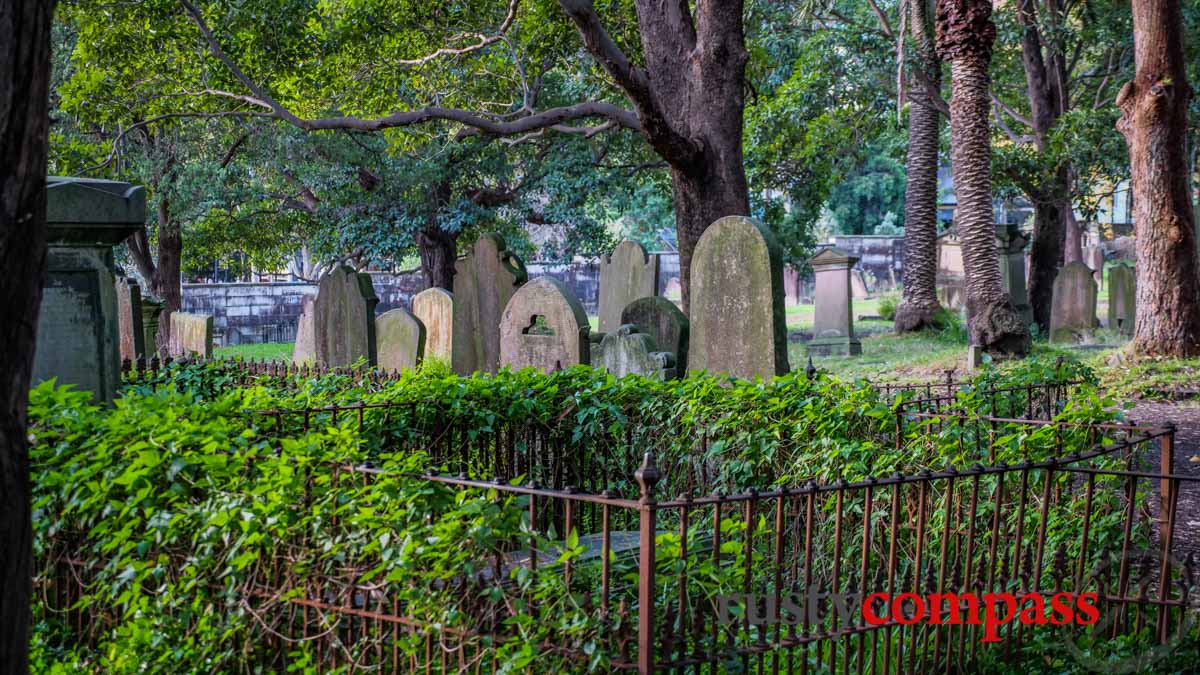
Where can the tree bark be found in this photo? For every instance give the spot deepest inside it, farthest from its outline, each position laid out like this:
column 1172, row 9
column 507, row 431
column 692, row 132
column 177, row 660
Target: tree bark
column 1154, row 117
column 919, row 307
column 24, row 123
column 439, row 250
column 161, row 269
column 965, row 37
column 1045, row 257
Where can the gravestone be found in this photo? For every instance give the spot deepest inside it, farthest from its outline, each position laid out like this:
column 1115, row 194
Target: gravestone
column 304, row 352
column 129, row 318
column 833, row 318
column 400, row 340
column 1073, row 311
column 626, row 275
column 484, row 283
column 791, row 285
column 191, row 335
column 344, row 318
column 1122, row 299
column 626, row 351
column 434, row 308
column 1093, row 257
column 737, row 309
column 544, row 327
column 662, row 320
column 1012, row 268
column 951, row 274
column 859, row 288
column 151, row 311
column 78, row 335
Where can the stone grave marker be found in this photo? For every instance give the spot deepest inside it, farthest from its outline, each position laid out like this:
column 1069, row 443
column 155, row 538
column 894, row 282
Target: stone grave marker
column 626, row 351
column 1122, row 299
column 544, row 327
column 1012, row 268
column 791, row 285
column 626, row 275
column 434, row 308
column 400, row 340
column 833, row 322
column 859, row 288
column 129, row 317
column 662, row 320
column 484, row 283
column 1093, row 257
column 344, row 318
column 304, row 352
column 191, row 336
column 1073, row 311
column 737, row 308
column 951, row 275
column 151, row 313
column 78, row 335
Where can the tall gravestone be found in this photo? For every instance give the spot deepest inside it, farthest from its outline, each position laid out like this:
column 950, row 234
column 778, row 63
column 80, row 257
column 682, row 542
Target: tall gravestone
column 1073, row 310
column 344, row 318
column 544, row 327
column 1012, row 268
column 434, row 307
column 662, row 320
column 1122, row 299
column 737, row 310
column 791, row 285
column 951, row 273
column 628, row 351
column 400, row 340
column 78, row 337
column 304, row 352
column 833, row 314
column 1093, row 257
column 129, row 319
column 484, row 282
column 151, row 311
column 191, row 335
column 859, row 288
column 626, row 275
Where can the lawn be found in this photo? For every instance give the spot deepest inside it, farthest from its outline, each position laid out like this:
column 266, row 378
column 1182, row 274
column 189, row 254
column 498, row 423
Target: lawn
column 272, row 351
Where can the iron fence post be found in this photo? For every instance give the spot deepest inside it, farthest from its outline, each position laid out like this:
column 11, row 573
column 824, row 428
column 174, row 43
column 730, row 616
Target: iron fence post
column 647, row 477
column 1167, row 468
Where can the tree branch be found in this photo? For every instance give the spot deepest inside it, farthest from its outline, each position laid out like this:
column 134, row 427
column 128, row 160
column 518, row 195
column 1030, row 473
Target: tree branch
column 997, row 102
column 483, row 41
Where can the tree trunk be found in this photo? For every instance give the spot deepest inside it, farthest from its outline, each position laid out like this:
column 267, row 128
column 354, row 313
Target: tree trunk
column 1046, row 252
column 919, row 307
column 165, row 283
column 439, row 250
column 1072, row 232
column 699, row 202
column 24, row 122
column 1154, row 118
column 965, row 36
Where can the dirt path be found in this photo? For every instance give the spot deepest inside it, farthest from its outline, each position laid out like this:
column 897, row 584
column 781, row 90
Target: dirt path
column 1186, row 416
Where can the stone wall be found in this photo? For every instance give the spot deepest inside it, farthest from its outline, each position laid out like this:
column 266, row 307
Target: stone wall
column 882, row 256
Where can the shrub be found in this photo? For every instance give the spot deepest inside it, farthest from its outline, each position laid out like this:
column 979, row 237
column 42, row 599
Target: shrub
column 887, row 307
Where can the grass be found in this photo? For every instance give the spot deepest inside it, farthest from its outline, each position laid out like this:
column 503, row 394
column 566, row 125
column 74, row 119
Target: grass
column 273, row 351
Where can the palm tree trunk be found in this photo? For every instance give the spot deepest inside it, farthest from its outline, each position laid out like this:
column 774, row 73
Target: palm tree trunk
column 965, row 36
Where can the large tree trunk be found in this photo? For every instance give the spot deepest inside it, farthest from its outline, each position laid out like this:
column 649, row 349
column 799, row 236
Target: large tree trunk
column 1154, row 109
column 965, row 36
column 699, row 202
column 1046, row 253
column 24, row 122
column 919, row 307
column 166, row 282
column 439, row 250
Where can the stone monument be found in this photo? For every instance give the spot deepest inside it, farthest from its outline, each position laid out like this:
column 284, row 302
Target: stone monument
column 737, row 310
column 626, row 351
column 833, row 319
column 1073, row 311
column 434, row 308
column 951, row 274
column 400, row 340
column 344, row 318
column 304, row 352
column 544, row 327
column 626, row 275
column 1011, row 244
column 78, row 337
column 484, row 282
column 1122, row 299
column 191, row 335
column 129, row 318
column 662, row 320
column 151, row 312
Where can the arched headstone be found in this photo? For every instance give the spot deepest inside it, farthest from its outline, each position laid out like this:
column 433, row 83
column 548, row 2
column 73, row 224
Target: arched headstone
column 434, row 307
column 737, row 311
column 626, row 275
column 344, row 318
column 1073, row 310
column 544, row 327
column 399, row 340
column 484, row 282
column 661, row 319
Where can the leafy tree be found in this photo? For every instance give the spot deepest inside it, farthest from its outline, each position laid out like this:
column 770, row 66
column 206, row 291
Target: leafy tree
column 865, row 198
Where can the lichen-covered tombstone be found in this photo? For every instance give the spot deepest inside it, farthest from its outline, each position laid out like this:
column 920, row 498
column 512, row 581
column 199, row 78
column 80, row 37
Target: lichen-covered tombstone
column 544, row 327
column 484, row 282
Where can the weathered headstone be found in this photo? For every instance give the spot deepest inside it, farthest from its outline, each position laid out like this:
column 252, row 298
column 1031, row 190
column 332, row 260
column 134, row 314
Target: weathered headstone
column 626, row 275
column 1122, row 299
column 1093, row 257
column 1073, row 311
column 151, row 311
column 399, row 340
column 626, row 351
column 191, row 335
column 791, row 285
column 544, row 327
column 344, row 318
column 859, row 288
column 951, row 275
column 78, row 339
column 975, row 355
column 304, row 352
column 662, row 320
column 129, row 317
column 737, row 309
column 434, row 308
column 833, row 318
column 484, row 282
column 1012, row 268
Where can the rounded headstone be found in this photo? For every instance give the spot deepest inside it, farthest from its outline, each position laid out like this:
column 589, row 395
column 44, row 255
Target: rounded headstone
column 434, row 307
column 544, row 327
column 661, row 319
column 399, row 340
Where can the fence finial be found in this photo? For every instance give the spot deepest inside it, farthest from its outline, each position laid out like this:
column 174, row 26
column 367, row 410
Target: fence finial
column 811, row 370
column 647, row 475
